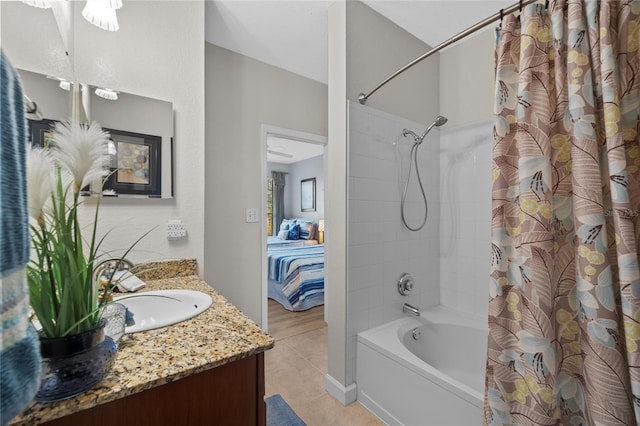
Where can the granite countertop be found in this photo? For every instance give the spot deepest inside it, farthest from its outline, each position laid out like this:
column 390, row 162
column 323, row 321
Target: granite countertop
column 218, row 336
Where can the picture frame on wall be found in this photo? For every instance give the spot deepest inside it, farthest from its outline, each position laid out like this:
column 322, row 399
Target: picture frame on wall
column 41, row 132
column 135, row 166
column 308, row 195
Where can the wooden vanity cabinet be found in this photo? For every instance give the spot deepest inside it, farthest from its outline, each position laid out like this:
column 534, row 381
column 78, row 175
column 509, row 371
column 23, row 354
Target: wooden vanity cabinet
column 231, row 394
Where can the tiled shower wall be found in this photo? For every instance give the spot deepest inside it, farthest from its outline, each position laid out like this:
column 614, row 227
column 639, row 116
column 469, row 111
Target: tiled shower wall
column 380, row 248
column 465, row 209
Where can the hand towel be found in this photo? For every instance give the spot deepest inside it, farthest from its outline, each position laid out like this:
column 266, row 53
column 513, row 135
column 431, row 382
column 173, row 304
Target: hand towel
column 19, row 345
column 126, row 281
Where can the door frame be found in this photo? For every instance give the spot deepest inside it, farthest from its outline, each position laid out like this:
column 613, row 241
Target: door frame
column 265, row 131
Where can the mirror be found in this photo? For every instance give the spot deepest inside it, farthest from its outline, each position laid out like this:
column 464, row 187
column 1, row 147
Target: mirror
column 141, row 131
column 42, row 45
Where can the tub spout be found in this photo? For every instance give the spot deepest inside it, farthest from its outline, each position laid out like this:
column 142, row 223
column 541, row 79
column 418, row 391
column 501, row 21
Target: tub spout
column 411, row 309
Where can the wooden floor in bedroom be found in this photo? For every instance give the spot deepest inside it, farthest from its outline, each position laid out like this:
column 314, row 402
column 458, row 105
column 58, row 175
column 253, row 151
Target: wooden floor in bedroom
column 283, row 323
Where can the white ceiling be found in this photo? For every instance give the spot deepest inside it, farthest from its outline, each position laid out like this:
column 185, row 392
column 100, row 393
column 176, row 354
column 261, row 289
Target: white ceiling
column 292, row 34
column 287, row 151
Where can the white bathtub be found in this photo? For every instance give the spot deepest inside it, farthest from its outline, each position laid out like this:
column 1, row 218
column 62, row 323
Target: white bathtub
column 435, row 380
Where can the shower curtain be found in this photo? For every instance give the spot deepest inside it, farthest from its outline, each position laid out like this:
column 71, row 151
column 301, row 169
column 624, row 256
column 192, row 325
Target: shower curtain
column 564, row 309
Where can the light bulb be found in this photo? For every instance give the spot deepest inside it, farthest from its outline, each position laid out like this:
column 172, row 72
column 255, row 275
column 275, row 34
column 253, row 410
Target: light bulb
column 105, row 93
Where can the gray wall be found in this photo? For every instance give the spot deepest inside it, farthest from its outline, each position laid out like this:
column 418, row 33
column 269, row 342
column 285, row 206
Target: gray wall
column 376, row 47
column 241, row 95
column 466, row 97
column 312, row 167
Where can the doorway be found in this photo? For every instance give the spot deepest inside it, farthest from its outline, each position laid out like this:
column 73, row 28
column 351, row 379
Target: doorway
column 301, row 158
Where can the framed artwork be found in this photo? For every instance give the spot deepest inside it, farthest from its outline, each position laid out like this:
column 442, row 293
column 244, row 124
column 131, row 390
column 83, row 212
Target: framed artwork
column 135, row 160
column 308, row 195
column 41, row 132
column 135, row 165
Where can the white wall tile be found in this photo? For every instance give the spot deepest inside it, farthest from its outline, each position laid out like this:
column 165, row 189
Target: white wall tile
column 449, row 257
column 357, row 300
column 465, row 192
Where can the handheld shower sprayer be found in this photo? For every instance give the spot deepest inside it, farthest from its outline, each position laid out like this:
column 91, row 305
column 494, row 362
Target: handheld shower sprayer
column 439, row 121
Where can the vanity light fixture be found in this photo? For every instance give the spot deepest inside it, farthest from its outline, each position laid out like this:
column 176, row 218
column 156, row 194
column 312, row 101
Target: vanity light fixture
column 105, row 93
column 62, row 83
column 102, row 13
column 42, row 4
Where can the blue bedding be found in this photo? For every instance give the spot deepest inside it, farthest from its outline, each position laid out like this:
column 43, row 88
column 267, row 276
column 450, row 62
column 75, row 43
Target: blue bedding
column 296, row 276
column 274, row 241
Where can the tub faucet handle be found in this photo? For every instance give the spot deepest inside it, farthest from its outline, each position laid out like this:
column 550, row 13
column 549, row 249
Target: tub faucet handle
column 405, row 284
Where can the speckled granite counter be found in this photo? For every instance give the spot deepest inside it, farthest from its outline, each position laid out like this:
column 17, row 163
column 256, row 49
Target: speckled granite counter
column 220, row 335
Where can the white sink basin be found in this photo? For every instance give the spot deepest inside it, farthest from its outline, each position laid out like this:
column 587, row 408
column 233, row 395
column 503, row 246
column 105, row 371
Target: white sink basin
column 159, row 308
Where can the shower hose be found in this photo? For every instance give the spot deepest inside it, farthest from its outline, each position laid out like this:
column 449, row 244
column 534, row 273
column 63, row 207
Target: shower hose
column 414, row 158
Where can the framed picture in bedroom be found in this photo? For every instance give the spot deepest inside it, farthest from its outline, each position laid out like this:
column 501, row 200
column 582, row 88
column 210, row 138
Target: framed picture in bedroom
column 308, row 195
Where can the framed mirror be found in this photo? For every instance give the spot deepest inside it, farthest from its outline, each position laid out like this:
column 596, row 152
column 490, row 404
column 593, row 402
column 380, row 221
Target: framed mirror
column 141, row 130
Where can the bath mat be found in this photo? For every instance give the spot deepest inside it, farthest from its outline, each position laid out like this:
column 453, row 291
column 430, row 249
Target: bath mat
column 280, row 414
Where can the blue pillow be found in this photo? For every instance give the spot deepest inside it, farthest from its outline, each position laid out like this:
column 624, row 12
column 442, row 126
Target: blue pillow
column 294, row 232
column 286, row 224
column 306, row 230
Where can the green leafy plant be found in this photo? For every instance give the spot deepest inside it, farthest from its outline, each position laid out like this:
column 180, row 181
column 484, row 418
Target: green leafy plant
column 63, row 293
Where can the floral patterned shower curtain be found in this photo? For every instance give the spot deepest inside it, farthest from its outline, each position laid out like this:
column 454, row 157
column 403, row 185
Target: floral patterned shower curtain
column 564, row 311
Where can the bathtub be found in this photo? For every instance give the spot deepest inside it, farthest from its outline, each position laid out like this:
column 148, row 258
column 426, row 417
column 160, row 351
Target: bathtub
column 437, row 379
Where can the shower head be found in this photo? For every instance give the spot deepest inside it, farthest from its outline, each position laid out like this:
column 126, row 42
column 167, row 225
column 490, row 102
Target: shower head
column 439, row 121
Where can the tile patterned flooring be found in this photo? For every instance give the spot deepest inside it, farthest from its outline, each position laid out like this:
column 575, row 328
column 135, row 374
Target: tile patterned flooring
column 295, row 368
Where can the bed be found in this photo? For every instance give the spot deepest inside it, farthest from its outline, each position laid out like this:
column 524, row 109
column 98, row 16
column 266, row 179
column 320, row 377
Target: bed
column 296, row 276
column 277, row 242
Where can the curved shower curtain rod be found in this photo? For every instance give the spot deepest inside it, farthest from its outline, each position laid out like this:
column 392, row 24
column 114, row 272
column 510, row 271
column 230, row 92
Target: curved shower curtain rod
column 517, row 6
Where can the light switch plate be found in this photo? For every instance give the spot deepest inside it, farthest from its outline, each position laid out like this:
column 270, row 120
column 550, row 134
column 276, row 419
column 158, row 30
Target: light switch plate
column 251, row 215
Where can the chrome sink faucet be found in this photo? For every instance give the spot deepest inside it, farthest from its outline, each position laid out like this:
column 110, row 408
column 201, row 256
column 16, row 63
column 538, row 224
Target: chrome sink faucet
column 109, row 266
column 414, row 310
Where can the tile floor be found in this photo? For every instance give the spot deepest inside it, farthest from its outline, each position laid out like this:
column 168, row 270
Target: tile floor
column 295, row 368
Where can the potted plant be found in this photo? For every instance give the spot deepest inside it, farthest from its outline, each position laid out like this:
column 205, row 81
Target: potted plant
column 65, row 299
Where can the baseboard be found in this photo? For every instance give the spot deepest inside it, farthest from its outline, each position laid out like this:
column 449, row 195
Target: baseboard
column 346, row 395
column 377, row 410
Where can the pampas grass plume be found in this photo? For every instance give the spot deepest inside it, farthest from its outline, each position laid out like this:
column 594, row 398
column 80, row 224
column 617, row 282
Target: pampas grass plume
column 81, row 149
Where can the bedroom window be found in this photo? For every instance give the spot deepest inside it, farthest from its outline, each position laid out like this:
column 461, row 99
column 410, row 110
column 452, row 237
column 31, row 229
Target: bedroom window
column 269, row 206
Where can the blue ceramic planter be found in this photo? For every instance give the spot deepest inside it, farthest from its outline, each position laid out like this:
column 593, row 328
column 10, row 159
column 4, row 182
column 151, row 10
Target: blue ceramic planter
column 74, row 364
